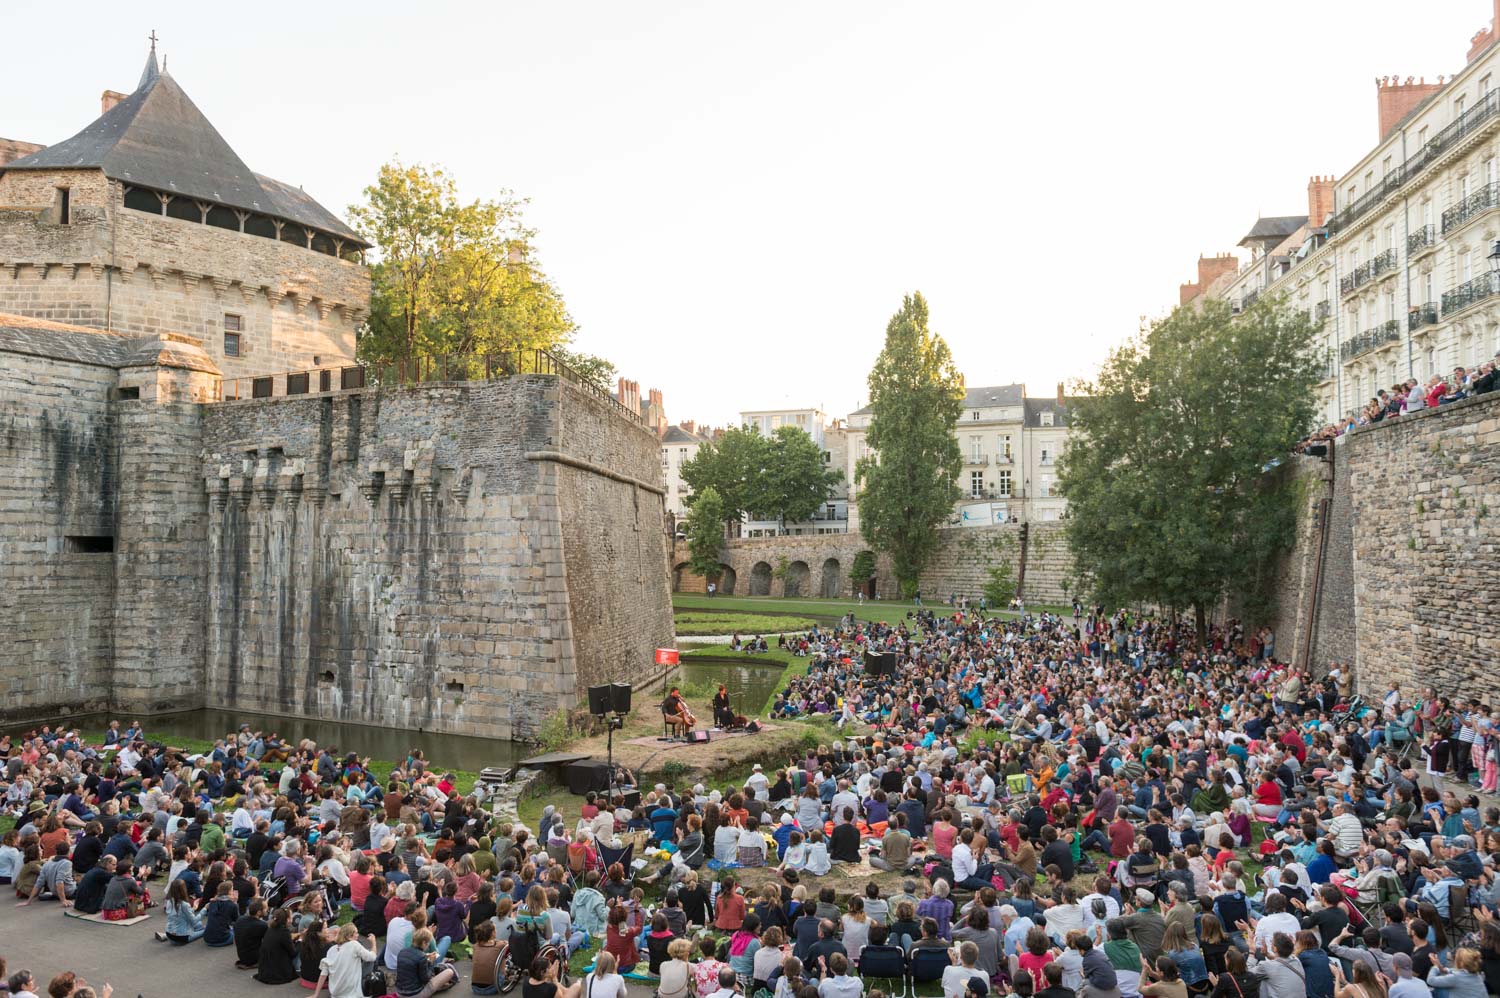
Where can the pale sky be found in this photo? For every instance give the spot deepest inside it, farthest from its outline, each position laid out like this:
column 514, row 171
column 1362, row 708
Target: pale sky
column 733, row 197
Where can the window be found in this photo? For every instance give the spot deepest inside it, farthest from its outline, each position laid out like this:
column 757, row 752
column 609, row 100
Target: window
column 1422, row 136
column 1046, row 455
column 1005, row 446
column 976, row 448
column 232, row 330
column 1467, row 271
column 1458, row 105
column 1390, row 304
column 1353, row 257
column 1044, row 486
column 974, row 414
column 1463, row 187
column 64, row 206
column 1350, row 199
column 1489, row 170
column 1427, row 288
column 1046, row 419
column 1369, row 180
column 1427, row 213
column 1484, row 86
column 1390, row 236
column 976, row 484
column 1003, row 486
column 681, row 454
column 1385, row 168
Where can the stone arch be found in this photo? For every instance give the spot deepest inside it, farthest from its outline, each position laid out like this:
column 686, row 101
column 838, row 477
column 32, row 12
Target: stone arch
column 868, row 586
column 760, row 579
column 679, row 572
column 726, row 580
column 797, row 577
column 833, row 585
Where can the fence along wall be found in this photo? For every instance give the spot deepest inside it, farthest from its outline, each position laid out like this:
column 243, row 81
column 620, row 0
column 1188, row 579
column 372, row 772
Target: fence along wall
column 401, row 557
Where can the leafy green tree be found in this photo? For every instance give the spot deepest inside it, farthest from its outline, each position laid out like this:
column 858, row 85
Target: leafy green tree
column 593, row 370
column 705, row 533
column 863, row 569
column 793, row 482
column 731, row 466
column 916, row 397
column 1165, row 469
column 1000, row 587
column 452, row 277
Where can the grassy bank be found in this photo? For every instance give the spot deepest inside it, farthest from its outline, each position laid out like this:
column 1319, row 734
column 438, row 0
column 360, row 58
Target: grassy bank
column 697, row 623
column 888, row 611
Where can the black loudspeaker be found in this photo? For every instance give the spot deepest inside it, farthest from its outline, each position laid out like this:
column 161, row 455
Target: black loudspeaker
column 880, row 663
column 588, row 775
column 632, row 799
column 599, row 700
column 619, row 695
column 700, row 737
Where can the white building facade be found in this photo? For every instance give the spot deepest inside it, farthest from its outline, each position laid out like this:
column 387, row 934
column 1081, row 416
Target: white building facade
column 831, row 439
column 1010, row 445
column 1396, row 256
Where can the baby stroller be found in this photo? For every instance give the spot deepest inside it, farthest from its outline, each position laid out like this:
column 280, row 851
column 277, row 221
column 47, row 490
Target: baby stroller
column 1351, row 711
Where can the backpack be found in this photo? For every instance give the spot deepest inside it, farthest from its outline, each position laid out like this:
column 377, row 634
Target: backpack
column 374, row 985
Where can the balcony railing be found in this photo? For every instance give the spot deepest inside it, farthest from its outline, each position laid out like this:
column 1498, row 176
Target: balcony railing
column 1251, row 297
column 1323, row 310
column 1423, row 239
column 1330, row 369
column 1485, row 109
column 1350, row 283
column 1370, row 339
column 1384, row 263
column 419, row 370
column 1471, row 207
column 1486, row 285
column 1422, row 315
column 977, row 460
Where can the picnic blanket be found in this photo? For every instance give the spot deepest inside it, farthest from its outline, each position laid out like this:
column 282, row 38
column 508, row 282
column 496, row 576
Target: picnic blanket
column 74, row 913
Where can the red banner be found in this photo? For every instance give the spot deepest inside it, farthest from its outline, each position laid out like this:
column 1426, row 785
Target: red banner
column 666, row 656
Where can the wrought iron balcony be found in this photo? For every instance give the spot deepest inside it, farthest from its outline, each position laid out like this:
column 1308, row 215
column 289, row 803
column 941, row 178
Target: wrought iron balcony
column 1424, row 238
column 1383, row 264
column 1370, row 339
column 1486, row 285
column 977, row 460
column 1350, row 283
column 1471, row 207
column 1251, row 297
column 1422, row 315
column 1324, row 310
column 1484, row 110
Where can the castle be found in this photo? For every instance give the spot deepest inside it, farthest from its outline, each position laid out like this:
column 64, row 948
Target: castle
column 208, row 503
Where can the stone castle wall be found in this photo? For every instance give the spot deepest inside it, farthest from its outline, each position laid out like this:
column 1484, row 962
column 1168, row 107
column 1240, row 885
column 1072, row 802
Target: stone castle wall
column 962, row 563
column 1408, row 578
column 61, row 461
column 139, row 273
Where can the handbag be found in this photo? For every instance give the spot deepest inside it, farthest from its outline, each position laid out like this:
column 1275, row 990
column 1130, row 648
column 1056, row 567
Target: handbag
column 374, row 985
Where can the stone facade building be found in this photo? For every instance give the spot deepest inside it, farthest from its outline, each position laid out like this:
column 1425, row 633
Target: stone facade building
column 1010, row 444
column 148, row 222
column 1395, row 256
column 461, row 555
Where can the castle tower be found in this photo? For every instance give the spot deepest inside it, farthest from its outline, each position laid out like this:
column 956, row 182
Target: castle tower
column 148, row 222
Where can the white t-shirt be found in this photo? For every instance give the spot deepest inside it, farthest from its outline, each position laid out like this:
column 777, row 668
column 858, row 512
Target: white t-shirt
column 606, row 986
column 956, row 979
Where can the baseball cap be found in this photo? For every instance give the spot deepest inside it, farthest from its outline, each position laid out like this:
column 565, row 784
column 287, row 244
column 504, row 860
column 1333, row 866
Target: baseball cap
column 1143, row 896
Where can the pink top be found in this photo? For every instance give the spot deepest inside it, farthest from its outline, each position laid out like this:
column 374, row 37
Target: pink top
column 943, row 837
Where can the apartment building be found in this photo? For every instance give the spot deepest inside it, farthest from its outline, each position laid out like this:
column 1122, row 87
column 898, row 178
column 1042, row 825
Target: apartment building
column 1398, row 256
column 679, row 445
column 831, row 438
column 1010, row 445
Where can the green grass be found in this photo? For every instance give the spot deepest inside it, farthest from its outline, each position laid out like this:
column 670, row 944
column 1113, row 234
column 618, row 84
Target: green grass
column 692, row 623
column 888, row 611
column 771, row 656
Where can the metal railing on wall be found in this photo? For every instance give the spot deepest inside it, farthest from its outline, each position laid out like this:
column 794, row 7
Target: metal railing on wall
column 417, row 371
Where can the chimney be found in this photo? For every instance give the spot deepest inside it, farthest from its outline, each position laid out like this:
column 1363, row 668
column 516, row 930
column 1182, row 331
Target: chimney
column 688, row 426
column 1186, row 293
column 1486, row 36
column 1320, row 198
column 1061, row 399
column 1397, row 99
column 110, row 98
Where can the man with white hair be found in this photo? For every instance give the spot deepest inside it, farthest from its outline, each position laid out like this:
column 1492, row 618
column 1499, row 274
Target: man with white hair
column 1346, row 830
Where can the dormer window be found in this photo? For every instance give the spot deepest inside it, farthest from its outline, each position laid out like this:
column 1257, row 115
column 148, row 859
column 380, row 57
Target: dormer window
column 1046, row 419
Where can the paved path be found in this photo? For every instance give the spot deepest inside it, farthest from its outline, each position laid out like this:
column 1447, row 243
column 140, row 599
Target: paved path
column 39, row 938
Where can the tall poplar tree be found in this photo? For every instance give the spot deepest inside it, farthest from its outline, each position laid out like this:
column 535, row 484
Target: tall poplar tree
column 909, row 485
column 1169, row 500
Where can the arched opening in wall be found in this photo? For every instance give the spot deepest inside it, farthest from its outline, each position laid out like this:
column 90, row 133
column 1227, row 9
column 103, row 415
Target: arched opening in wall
column 760, row 579
column 797, row 574
column 678, row 571
column 726, row 580
column 868, row 586
column 832, row 584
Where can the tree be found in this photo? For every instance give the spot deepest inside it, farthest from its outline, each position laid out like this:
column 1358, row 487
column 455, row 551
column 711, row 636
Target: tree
column 452, row 278
column 705, row 533
column 1165, row 470
column 916, row 397
column 793, row 482
column 731, row 466
column 1000, row 587
column 595, row 371
column 863, row 569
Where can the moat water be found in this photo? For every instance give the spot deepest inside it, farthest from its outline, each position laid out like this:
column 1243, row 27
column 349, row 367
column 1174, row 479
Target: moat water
column 750, row 686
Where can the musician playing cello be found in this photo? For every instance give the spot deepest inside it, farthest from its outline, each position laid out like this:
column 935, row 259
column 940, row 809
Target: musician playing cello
column 674, row 711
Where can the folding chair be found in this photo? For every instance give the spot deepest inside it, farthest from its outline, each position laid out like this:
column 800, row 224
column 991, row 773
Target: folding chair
column 927, row 964
column 624, row 856
column 1461, row 918
column 1387, row 890
column 885, row 963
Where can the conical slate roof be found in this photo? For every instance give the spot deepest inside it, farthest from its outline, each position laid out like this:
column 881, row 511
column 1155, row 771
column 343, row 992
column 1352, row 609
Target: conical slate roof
column 158, row 138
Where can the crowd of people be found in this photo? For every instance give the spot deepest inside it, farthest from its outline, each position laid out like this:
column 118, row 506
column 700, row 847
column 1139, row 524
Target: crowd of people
column 1411, row 395
column 1096, row 805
